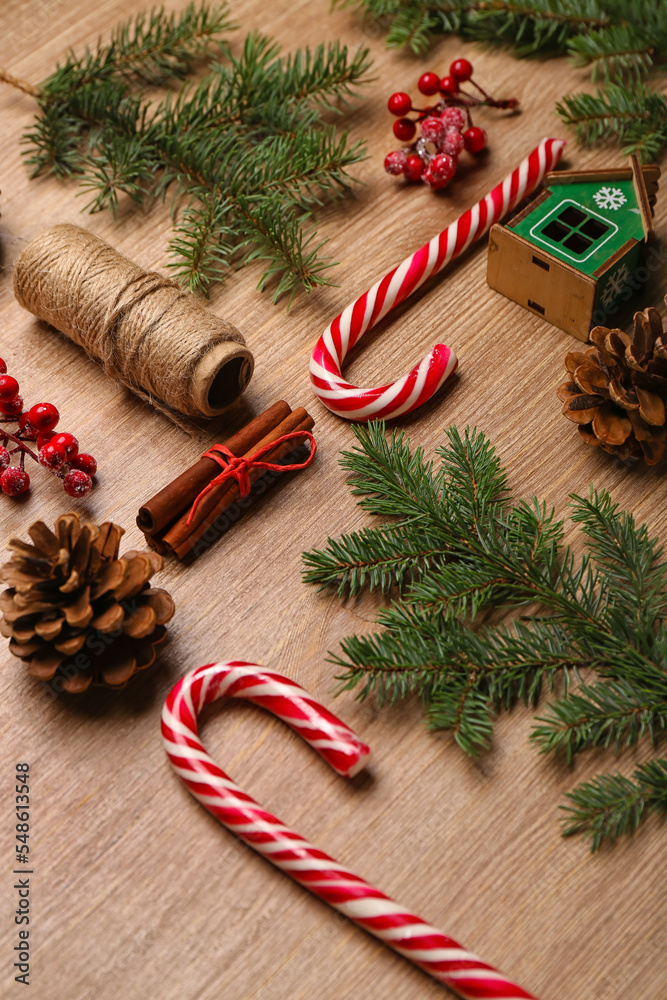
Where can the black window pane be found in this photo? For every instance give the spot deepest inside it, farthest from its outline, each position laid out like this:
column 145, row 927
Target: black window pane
column 577, row 243
column 571, row 216
column 594, row 228
column 555, row 231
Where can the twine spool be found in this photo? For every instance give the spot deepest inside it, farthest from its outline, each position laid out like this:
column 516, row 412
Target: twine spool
column 147, row 332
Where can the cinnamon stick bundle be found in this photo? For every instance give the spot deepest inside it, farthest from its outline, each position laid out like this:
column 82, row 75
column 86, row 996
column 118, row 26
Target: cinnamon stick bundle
column 163, row 509
column 164, row 519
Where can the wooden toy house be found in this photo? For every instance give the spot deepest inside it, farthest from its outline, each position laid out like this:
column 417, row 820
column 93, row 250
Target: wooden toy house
column 575, row 253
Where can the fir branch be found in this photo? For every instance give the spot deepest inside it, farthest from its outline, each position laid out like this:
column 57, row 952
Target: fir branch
column 392, row 481
column 202, row 243
column 636, row 116
column 152, row 49
column 326, row 76
column 55, row 141
column 122, row 165
column 413, row 27
column 603, row 714
column 253, row 129
column 466, row 712
column 616, row 53
column 621, row 41
column 383, row 665
column 457, row 548
column 541, row 27
column 269, row 232
column 628, row 555
column 377, row 558
column 611, row 805
column 473, row 472
column 536, row 28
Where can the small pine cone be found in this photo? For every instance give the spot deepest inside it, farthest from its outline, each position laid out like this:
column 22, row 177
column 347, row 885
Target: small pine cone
column 75, row 611
column 616, row 390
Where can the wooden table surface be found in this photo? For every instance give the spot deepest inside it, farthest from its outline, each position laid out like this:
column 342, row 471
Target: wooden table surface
column 137, row 891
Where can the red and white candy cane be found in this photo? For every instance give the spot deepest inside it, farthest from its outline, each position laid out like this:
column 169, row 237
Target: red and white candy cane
column 415, row 388
column 432, row 951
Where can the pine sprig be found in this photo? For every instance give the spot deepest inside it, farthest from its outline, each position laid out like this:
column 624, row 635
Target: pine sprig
column 540, row 27
column 247, row 154
column 636, row 116
column 620, row 41
column 455, row 549
column 603, row 714
column 611, row 805
column 616, row 53
column 150, row 49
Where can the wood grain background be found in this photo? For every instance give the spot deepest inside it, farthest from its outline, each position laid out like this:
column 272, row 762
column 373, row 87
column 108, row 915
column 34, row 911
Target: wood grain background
column 138, row 892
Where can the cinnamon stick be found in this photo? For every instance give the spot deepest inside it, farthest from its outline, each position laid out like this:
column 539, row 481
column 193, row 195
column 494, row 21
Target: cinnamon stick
column 181, row 530
column 182, row 538
column 162, row 509
column 197, row 542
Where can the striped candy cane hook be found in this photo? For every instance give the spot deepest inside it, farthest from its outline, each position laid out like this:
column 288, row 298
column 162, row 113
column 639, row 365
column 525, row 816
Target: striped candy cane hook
column 440, row 956
column 415, row 388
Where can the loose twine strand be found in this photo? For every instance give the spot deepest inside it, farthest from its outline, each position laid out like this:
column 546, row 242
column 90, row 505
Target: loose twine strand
column 14, row 81
column 147, row 333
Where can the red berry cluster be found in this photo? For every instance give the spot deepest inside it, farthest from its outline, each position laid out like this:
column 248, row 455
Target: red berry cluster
column 446, row 127
column 58, row 451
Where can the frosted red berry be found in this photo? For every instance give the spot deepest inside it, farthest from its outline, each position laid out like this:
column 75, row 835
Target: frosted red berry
column 43, row 416
column 12, row 407
column 414, row 167
column 454, row 118
column 461, row 69
column 9, row 388
column 442, row 165
column 77, row 483
column 85, row 463
column 448, row 86
column 395, row 163
column 14, row 481
column 399, row 104
column 474, row 139
column 439, row 171
column 57, row 452
column 52, row 456
column 433, row 129
column 428, row 83
column 436, row 135
column 452, row 142
column 404, row 129
column 68, row 442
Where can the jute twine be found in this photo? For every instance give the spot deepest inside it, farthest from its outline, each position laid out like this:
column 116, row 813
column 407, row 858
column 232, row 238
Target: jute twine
column 147, row 332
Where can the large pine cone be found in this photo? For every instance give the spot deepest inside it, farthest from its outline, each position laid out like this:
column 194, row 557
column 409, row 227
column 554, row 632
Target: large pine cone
column 76, row 611
column 616, row 390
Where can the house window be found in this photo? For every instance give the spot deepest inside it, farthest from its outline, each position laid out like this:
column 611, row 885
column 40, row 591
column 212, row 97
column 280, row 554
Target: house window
column 575, row 231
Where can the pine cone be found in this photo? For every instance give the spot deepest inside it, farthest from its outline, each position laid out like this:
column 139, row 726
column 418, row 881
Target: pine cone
column 616, row 390
column 76, row 611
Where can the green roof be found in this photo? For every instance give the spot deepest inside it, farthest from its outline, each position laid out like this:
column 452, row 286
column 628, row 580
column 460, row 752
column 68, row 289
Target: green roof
column 584, row 223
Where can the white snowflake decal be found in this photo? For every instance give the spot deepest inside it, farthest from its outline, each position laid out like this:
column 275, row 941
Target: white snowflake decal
column 610, row 198
column 617, row 282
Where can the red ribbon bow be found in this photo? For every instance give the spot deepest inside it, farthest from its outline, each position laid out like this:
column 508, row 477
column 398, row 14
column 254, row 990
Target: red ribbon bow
column 238, row 468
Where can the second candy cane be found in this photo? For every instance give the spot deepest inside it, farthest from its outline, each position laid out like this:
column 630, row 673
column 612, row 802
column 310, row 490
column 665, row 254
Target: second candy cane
column 415, row 388
column 438, row 954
